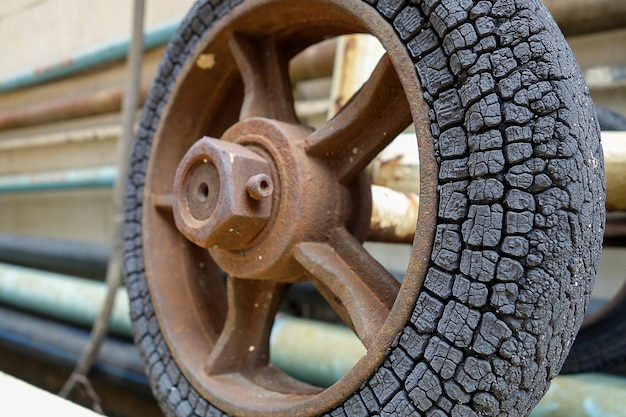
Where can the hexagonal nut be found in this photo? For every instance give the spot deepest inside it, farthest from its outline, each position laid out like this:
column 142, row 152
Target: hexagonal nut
column 212, row 204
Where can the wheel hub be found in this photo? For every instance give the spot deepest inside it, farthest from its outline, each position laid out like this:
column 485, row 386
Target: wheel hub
column 250, row 197
column 221, row 197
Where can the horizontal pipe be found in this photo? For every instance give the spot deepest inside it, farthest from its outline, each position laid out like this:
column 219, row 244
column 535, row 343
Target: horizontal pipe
column 394, row 215
column 574, row 18
column 615, row 229
column 78, row 301
column 310, row 64
column 299, row 347
column 293, row 339
column 580, row 17
column 92, row 104
column 585, row 395
column 314, row 62
column 61, row 345
column 105, row 130
column 92, row 57
column 83, row 259
column 59, row 180
column 71, row 299
column 614, row 146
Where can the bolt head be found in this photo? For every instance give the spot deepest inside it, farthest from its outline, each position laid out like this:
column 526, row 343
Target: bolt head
column 213, row 204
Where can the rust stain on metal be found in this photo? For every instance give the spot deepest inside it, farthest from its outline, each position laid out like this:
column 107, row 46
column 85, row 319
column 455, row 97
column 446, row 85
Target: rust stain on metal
column 64, row 63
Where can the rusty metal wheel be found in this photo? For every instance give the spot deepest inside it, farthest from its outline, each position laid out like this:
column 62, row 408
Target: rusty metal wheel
column 225, row 179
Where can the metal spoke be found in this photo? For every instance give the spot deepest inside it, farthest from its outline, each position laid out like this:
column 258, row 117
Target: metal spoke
column 360, row 290
column 265, row 73
column 243, row 345
column 376, row 114
column 163, row 202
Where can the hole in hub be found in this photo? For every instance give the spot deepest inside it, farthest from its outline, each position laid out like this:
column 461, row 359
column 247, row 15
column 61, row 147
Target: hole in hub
column 203, row 192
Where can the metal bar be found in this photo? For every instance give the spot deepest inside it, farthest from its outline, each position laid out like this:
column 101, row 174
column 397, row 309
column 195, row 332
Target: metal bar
column 98, row 55
column 314, row 62
column 579, row 17
column 615, row 230
column 114, row 267
column 78, row 301
column 59, row 180
column 355, row 58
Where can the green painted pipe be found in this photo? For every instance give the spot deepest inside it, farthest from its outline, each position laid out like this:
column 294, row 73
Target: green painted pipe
column 59, row 180
column 89, row 58
column 300, row 347
column 79, row 301
column 66, row 298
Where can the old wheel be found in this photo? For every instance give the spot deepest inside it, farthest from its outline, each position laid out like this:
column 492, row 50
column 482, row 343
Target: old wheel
column 225, row 179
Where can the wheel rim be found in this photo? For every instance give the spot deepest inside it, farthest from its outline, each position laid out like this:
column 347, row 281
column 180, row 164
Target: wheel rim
column 219, row 333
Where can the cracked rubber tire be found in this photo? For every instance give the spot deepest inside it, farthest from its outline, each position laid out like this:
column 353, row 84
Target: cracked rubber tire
column 519, row 217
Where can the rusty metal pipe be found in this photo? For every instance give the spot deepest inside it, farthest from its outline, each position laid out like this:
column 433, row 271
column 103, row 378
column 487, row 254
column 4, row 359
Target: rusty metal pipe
column 100, row 102
column 579, row 17
column 314, row 62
